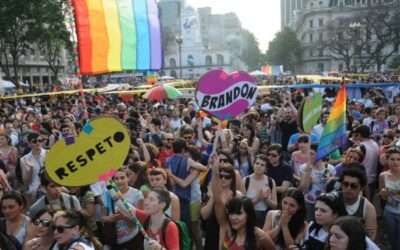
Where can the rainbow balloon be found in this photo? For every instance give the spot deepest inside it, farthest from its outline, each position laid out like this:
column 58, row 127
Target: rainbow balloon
column 117, row 35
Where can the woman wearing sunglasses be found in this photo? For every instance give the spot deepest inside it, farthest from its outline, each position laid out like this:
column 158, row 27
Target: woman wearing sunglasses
column 236, row 218
column 41, row 231
column 228, row 190
column 71, row 233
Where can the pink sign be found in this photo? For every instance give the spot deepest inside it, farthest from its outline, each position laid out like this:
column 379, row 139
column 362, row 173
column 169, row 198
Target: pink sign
column 226, row 96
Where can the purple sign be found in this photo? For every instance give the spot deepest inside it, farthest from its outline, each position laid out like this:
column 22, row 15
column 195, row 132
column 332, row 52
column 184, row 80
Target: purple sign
column 226, row 96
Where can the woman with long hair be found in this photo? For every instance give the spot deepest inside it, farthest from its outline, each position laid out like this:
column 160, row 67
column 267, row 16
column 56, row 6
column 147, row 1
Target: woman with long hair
column 389, row 185
column 288, row 225
column 9, row 155
column 348, row 233
column 237, row 219
column 228, row 190
column 15, row 223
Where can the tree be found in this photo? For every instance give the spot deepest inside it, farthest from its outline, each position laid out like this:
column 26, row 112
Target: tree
column 368, row 38
column 395, row 63
column 284, row 50
column 51, row 33
column 16, row 21
column 28, row 25
column 251, row 53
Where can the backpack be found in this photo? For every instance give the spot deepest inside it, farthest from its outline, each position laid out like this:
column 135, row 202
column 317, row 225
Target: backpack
column 185, row 242
column 247, row 183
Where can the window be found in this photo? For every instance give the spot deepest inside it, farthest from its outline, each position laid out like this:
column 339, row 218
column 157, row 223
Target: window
column 321, row 52
column 321, row 37
column 321, row 67
column 190, row 60
column 311, row 38
column 311, row 23
column 321, row 22
column 173, row 74
column 311, row 53
column 172, row 62
column 340, row 67
column 220, row 59
column 208, row 60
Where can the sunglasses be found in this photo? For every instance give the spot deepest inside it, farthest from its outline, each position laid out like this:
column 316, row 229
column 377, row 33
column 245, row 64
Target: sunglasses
column 272, row 155
column 353, row 186
column 302, row 141
column 61, row 228
column 34, row 141
column 225, row 176
column 45, row 223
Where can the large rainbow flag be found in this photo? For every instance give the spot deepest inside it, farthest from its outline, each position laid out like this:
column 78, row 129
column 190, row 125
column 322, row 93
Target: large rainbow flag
column 334, row 135
column 117, row 35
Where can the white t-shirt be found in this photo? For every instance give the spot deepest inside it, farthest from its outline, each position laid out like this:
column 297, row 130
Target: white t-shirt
column 124, row 232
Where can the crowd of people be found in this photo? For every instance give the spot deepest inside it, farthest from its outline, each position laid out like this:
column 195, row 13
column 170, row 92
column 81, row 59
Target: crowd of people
column 251, row 183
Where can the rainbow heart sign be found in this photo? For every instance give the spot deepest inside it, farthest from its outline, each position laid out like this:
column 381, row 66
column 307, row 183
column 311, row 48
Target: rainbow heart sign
column 226, row 96
column 97, row 152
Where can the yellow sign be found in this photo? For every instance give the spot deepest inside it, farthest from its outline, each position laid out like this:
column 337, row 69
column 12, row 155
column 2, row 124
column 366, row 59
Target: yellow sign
column 101, row 147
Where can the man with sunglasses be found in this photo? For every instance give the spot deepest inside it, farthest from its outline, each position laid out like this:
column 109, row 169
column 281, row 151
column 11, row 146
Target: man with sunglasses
column 31, row 165
column 353, row 180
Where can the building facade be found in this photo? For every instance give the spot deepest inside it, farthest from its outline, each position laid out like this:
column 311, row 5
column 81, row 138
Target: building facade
column 289, row 9
column 196, row 41
column 311, row 24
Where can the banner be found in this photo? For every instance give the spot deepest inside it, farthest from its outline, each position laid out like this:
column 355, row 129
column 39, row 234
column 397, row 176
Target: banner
column 226, row 96
column 99, row 149
column 311, row 111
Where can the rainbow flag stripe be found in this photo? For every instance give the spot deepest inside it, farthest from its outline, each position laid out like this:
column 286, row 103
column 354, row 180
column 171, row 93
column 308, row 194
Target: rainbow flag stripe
column 334, row 135
column 117, row 35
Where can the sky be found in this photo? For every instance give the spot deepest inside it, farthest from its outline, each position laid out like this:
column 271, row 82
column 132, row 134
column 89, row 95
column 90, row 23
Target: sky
column 261, row 17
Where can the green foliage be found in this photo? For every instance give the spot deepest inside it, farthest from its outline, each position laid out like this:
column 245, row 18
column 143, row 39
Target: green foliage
column 251, row 54
column 395, row 63
column 29, row 25
column 284, row 50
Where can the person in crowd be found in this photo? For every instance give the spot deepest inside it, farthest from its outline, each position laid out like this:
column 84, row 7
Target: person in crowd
column 314, row 177
column 229, row 190
column 243, row 160
column 128, row 235
column 15, row 223
column 31, row 165
column 326, row 212
column 380, row 124
column 300, row 156
column 352, row 155
column 71, row 232
column 387, row 142
column 361, row 136
column 166, row 148
column 41, row 233
column 250, row 140
column 136, row 172
column 287, row 226
column 9, row 156
column 389, row 186
column 352, row 202
column 237, row 219
column 261, row 189
column 347, row 233
column 192, row 180
column 162, row 232
column 278, row 170
column 90, row 204
column 54, row 199
column 158, row 178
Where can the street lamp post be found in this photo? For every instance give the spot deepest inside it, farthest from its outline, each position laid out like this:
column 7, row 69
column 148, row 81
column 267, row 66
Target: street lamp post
column 179, row 41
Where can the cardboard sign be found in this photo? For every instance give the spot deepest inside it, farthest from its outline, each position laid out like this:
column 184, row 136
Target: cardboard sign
column 312, row 111
column 226, row 96
column 100, row 148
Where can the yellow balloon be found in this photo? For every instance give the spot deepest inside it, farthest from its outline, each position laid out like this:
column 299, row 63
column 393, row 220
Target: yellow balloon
column 101, row 147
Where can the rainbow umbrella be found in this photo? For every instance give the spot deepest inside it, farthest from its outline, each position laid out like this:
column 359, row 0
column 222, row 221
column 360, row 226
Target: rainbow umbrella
column 162, row 92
